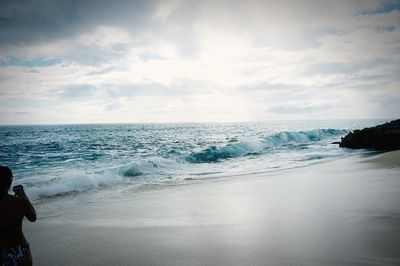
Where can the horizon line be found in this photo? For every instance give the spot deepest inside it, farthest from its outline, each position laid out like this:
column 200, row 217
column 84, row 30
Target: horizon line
column 198, row 122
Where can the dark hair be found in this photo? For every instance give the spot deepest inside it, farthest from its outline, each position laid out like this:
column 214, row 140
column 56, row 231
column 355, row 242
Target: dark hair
column 6, row 178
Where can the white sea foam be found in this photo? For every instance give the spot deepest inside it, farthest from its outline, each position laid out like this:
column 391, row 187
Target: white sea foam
column 79, row 181
column 260, row 145
column 72, row 181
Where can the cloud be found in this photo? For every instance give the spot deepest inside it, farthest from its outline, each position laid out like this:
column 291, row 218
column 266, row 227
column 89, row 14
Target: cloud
column 38, row 21
column 128, row 61
column 77, row 92
column 112, row 106
column 297, row 109
column 386, row 7
column 345, row 68
column 37, row 62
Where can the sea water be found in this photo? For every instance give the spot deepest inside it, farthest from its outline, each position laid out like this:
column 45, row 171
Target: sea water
column 54, row 160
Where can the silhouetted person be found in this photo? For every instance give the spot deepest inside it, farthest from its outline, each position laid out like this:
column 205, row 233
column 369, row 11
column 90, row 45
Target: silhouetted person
column 14, row 249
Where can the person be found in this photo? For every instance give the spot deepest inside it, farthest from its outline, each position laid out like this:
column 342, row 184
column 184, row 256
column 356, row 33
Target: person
column 14, row 249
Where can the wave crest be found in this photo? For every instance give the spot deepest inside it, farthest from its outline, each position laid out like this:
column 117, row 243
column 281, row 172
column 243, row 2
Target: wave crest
column 78, row 181
column 258, row 146
column 73, row 181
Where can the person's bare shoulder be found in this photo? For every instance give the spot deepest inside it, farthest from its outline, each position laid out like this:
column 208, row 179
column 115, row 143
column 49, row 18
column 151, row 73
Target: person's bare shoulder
column 11, row 199
column 18, row 202
column 12, row 205
column 15, row 201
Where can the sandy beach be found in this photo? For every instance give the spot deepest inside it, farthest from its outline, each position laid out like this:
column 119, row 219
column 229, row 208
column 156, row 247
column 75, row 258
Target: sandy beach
column 341, row 212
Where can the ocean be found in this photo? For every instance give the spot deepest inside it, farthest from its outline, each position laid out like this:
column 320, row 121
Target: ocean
column 58, row 160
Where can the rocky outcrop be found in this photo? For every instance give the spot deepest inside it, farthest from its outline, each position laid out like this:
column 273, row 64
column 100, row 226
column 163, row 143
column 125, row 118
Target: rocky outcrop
column 382, row 137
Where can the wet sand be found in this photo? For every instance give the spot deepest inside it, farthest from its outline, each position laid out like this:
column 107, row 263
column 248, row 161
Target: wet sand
column 341, row 212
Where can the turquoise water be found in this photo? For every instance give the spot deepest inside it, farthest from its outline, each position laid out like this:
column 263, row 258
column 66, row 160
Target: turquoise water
column 59, row 159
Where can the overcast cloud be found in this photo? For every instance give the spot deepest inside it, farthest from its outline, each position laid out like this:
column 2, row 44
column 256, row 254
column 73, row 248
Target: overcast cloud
column 87, row 61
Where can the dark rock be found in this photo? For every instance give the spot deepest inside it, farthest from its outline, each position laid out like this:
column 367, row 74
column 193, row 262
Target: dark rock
column 382, row 137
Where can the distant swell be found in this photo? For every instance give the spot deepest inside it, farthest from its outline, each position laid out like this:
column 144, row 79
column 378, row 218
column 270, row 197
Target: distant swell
column 259, row 146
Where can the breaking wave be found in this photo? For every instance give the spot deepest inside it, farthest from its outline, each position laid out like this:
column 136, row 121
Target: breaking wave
column 259, row 146
column 79, row 181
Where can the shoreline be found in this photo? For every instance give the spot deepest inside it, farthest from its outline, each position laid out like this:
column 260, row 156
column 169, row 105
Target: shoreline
column 345, row 211
column 90, row 194
column 386, row 159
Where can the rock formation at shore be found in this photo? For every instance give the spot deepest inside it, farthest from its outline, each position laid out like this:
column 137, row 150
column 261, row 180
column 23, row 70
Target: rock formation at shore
column 382, row 137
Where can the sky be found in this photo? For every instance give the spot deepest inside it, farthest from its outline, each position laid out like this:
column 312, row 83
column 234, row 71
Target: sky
column 120, row 61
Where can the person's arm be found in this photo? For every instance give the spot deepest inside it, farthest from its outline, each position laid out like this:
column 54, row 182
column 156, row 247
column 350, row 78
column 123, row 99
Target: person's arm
column 29, row 211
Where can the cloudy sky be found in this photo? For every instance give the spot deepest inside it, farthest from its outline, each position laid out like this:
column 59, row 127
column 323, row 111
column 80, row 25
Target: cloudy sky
column 83, row 61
